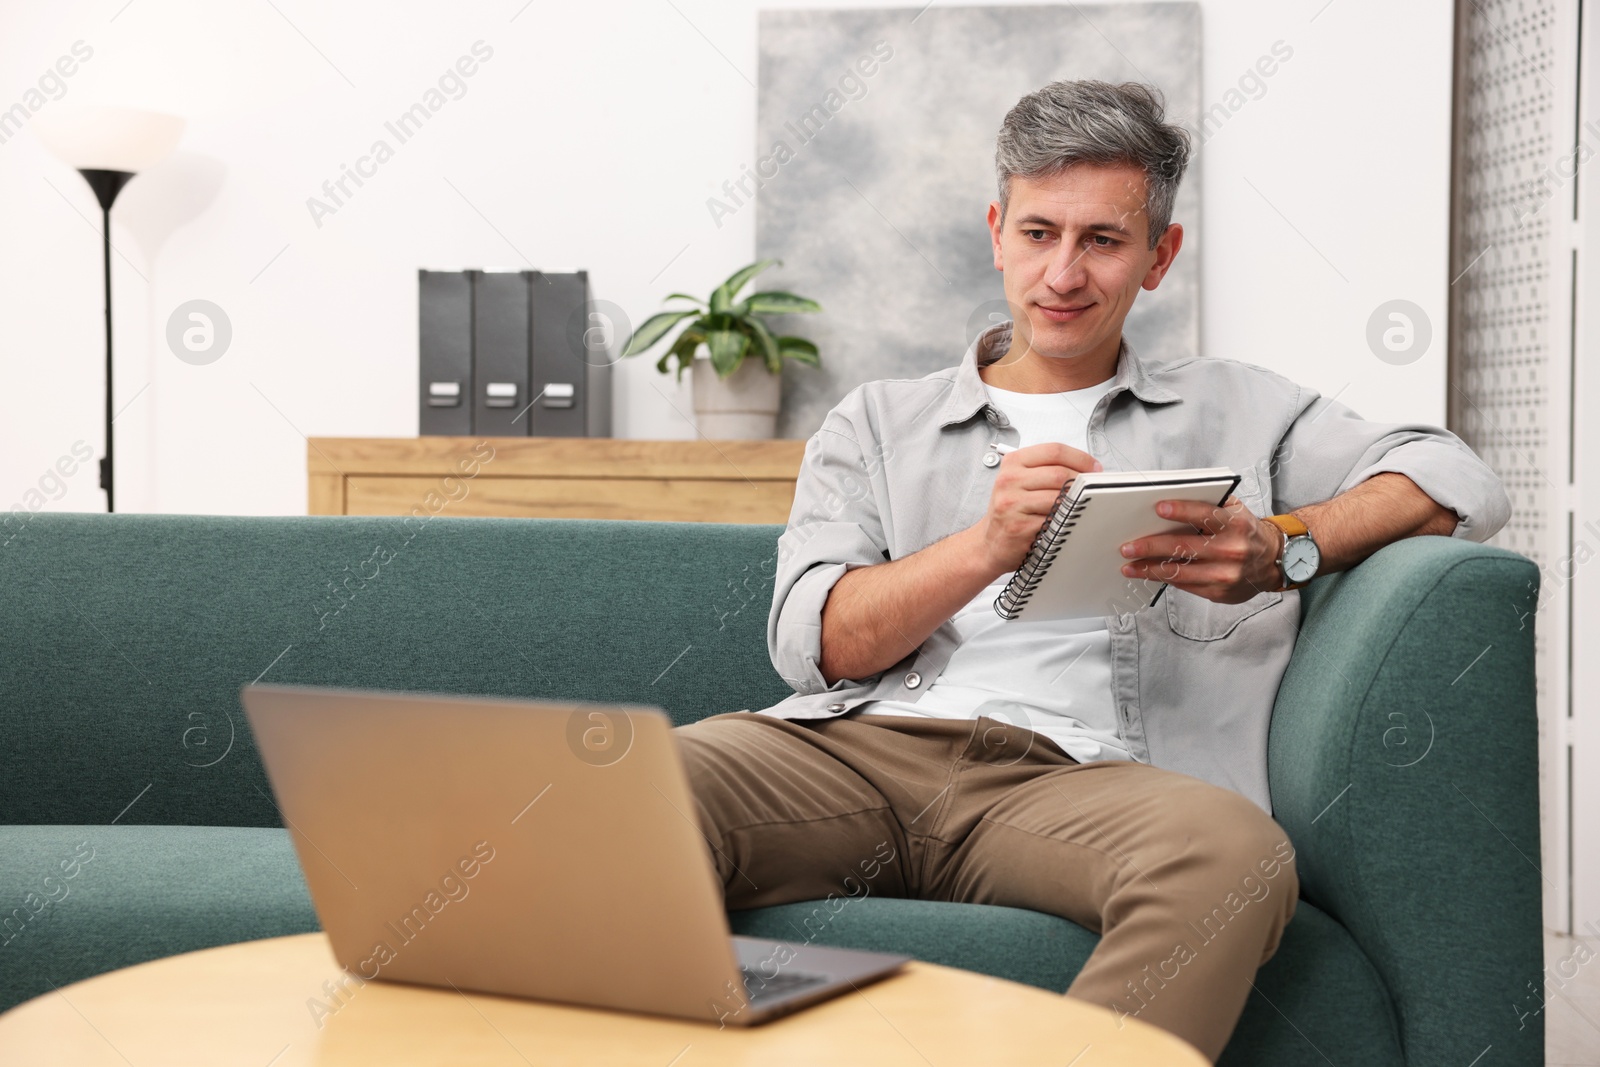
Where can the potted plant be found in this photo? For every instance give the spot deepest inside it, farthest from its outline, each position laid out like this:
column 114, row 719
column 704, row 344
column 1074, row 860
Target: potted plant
column 737, row 386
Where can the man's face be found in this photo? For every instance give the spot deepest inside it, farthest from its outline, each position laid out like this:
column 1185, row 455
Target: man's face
column 1075, row 251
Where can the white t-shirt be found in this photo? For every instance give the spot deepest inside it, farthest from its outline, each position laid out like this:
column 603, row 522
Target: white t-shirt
column 1053, row 677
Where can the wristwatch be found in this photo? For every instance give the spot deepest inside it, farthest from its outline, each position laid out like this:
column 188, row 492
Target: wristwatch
column 1299, row 559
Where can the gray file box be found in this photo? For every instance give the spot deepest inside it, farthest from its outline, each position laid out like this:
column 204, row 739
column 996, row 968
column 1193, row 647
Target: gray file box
column 514, row 353
column 500, row 354
column 445, row 352
column 569, row 378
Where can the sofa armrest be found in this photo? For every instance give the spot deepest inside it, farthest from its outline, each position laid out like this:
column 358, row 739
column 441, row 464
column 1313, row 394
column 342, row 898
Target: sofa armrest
column 1404, row 765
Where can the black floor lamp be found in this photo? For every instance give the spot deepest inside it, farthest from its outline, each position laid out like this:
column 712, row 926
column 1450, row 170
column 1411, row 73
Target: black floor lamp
column 108, row 146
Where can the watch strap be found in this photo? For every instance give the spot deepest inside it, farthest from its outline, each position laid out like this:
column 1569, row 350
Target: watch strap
column 1289, row 524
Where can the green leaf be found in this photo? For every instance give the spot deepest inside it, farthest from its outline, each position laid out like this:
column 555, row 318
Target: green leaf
column 685, row 296
column 767, row 345
column 797, row 342
column 727, row 349
column 777, row 303
column 653, row 329
column 800, row 350
column 688, row 341
column 740, row 278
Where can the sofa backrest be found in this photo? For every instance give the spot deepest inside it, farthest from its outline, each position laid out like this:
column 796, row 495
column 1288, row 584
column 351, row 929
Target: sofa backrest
column 124, row 639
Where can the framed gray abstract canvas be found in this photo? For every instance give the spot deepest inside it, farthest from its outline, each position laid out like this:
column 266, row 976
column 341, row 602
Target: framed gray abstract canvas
column 875, row 142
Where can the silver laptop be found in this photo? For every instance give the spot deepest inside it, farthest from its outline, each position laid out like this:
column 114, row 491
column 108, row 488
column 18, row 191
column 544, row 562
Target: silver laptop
column 531, row 848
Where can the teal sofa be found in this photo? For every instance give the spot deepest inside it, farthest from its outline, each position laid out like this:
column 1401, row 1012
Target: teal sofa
column 135, row 820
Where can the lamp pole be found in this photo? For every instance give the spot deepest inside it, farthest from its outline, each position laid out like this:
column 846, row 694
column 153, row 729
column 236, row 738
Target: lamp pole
column 106, row 185
column 108, row 146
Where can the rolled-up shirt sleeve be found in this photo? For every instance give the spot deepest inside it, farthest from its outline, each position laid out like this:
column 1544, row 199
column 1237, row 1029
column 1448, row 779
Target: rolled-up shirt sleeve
column 1328, row 448
column 835, row 525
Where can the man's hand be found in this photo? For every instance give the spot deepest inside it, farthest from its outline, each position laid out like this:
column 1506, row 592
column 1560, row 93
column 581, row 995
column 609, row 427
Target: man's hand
column 1231, row 556
column 1025, row 487
column 875, row 615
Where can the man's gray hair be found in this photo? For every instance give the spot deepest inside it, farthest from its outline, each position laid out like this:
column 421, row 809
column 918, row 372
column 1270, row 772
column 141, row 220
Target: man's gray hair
column 1087, row 121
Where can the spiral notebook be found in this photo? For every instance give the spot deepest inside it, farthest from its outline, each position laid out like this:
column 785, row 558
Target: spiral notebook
column 1074, row 569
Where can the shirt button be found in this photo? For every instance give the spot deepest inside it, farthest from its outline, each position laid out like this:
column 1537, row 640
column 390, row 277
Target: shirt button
column 835, row 707
column 913, row 680
column 991, row 459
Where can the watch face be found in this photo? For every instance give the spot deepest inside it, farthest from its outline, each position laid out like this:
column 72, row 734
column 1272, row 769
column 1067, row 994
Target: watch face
column 1301, row 559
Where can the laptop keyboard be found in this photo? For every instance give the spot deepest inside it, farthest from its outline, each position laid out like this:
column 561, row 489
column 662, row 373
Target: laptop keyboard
column 761, row 987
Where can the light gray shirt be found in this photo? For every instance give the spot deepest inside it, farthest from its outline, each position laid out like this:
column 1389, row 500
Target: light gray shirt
column 899, row 464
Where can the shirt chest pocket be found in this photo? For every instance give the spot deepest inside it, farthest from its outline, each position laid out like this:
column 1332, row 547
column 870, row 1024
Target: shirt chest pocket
column 1200, row 619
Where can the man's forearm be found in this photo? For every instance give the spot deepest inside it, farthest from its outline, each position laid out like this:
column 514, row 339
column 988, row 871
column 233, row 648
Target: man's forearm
column 1385, row 508
column 875, row 615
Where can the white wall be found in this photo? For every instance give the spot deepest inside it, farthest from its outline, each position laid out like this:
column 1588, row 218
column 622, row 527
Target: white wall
column 591, row 140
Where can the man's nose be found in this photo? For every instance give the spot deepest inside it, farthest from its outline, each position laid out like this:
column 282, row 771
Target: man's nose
column 1067, row 271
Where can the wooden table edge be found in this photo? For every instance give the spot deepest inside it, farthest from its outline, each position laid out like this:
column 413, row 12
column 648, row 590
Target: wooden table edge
column 1146, row 1043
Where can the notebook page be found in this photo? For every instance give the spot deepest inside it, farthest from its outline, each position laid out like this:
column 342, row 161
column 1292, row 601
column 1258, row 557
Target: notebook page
column 1085, row 579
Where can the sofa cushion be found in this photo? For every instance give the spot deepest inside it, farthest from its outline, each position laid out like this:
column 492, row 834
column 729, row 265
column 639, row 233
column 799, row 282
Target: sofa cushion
column 76, row 901
column 82, row 900
column 1024, row 946
column 1318, row 996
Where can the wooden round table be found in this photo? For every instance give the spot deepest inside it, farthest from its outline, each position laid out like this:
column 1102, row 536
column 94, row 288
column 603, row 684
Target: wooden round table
column 264, row 1003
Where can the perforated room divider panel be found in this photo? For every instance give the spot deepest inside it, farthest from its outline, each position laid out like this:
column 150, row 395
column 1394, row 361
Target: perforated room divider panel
column 1520, row 179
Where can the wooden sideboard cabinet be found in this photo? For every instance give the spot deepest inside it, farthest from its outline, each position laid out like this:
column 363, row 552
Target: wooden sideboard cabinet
column 554, row 477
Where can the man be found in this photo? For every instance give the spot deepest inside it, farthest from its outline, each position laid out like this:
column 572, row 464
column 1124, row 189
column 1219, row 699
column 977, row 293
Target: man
column 1112, row 771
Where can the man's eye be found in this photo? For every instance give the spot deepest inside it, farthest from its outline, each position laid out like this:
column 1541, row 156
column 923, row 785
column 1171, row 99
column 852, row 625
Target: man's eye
column 1029, row 233
column 1102, row 237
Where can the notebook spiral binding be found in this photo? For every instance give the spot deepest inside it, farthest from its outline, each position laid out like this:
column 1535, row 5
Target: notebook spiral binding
column 1046, row 544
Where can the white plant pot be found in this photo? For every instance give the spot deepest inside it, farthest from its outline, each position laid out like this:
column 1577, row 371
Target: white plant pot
column 744, row 407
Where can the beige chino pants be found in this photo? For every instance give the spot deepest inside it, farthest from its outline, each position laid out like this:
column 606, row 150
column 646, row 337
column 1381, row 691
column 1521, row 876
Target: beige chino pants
column 1189, row 885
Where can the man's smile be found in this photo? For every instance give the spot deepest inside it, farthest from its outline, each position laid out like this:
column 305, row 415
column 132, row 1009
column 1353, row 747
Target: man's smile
column 1063, row 312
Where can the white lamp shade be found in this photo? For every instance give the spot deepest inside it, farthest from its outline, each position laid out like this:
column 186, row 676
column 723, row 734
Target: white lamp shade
column 108, row 138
